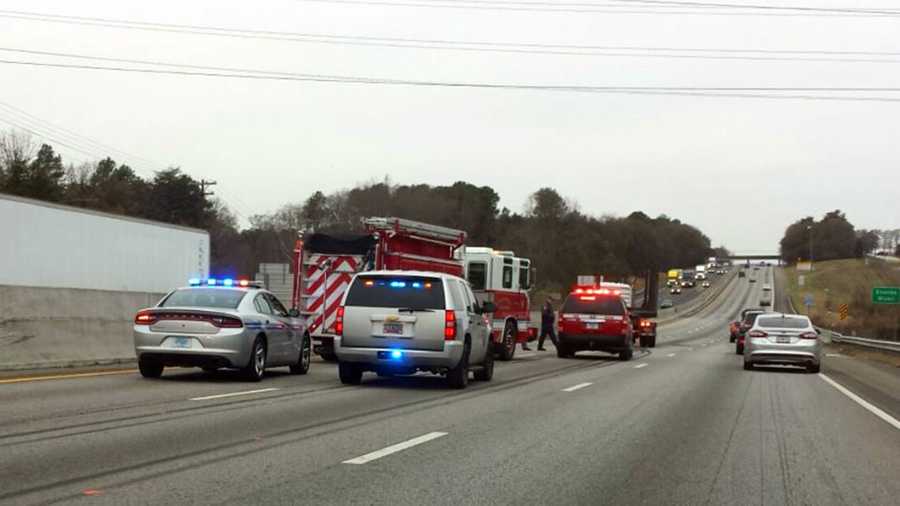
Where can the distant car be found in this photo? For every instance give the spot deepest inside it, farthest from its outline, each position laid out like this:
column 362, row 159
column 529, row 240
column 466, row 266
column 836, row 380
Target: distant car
column 665, row 304
column 752, row 279
column 734, row 327
column 401, row 322
column 765, row 302
column 675, row 290
column 220, row 324
column 778, row 338
column 705, row 284
column 595, row 320
column 767, row 287
column 746, row 323
column 742, row 274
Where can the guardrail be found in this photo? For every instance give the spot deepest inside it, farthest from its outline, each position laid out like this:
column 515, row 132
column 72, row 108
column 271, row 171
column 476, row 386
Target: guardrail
column 878, row 344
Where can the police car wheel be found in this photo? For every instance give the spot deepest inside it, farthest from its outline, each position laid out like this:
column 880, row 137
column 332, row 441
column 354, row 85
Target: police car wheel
column 303, row 361
column 150, row 369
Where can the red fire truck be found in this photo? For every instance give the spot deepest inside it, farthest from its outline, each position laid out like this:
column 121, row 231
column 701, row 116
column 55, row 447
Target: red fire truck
column 323, row 266
column 504, row 279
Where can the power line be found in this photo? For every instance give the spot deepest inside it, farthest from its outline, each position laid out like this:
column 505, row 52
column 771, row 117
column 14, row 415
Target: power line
column 718, row 8
column 457, row 45
column 739, row 92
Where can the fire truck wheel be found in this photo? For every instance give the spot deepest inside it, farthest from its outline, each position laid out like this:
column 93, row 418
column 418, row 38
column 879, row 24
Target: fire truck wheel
column 486, row 373
column 350, row 374
column 508, row 345
column 458, row 377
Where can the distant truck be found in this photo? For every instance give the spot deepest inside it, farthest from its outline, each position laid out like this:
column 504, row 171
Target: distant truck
column 323, row 266
column 673, row 277
column 688, row 279
column 700, row 272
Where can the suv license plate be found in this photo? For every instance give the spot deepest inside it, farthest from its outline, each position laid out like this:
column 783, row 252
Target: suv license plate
column 592, row 326
column 393, row 328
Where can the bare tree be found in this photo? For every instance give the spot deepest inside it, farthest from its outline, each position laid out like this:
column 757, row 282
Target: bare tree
column 16, row 151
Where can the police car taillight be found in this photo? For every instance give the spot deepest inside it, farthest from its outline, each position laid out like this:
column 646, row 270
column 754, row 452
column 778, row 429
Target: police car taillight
column 145, row 318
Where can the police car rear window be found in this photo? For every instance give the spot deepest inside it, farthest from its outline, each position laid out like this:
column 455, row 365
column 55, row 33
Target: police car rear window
column 581, row 304
column 396, row 292
column 221, row 298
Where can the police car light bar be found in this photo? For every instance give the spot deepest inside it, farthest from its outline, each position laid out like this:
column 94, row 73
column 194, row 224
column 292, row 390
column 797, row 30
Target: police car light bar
column 226, row 282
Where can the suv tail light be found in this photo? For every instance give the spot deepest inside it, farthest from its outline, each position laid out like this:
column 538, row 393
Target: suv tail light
column 757, row 333
column 449, row 325
column 339, row 322
column 809, row 335
column 145, row 318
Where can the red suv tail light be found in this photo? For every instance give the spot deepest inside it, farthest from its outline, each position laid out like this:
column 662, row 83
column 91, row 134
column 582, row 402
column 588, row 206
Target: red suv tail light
column 757, row 333
column 145, row 318
column 339, row 321
column 809, row 335
column 449, row 325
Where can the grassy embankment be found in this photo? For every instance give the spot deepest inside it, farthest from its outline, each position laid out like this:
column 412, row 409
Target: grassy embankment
column 848, row 282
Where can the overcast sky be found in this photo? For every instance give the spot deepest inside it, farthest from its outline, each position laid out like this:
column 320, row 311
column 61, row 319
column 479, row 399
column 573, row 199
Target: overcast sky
column 740, row 169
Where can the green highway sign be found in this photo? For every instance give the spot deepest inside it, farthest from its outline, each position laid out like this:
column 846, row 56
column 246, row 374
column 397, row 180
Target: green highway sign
column 886, row 295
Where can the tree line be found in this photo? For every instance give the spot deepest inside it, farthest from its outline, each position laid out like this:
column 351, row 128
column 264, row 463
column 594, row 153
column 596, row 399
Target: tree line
column 831, row 238
column 561, row 240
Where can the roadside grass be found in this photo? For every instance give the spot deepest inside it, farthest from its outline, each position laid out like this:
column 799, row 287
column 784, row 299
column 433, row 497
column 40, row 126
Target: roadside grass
column 850, row 282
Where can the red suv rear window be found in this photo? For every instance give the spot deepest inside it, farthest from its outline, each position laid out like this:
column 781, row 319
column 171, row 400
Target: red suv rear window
column 593, row 304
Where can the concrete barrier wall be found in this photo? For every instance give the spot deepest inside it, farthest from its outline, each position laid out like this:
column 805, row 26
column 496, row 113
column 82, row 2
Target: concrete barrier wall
column 67, row 327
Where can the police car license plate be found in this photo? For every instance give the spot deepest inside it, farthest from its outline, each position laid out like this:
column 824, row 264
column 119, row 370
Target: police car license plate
column 393, row 328
column 181, row 342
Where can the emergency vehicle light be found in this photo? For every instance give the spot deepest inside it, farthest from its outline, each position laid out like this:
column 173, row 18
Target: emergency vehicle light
column 193, row 282
column 211, row 281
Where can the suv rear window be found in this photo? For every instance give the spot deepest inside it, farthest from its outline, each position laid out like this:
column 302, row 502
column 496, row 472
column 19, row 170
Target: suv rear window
column 204, row 297
column 783, row 322
column 582, row 304
column 750, row 318
column 396, row 291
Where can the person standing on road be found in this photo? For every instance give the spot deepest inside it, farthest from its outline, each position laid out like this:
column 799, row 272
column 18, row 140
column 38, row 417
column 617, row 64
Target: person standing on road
column 548, row 327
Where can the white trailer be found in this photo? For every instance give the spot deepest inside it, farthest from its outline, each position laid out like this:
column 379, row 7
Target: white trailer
column 51, row 245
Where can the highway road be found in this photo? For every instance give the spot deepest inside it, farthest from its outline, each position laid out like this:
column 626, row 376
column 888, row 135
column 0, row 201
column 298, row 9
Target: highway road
column 683, row 423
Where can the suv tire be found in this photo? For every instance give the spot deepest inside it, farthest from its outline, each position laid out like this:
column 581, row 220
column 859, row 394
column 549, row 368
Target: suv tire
column 150, row 369
column 486, row 373
column 458, row 377
column 508, row 343
column 563, row 351
column 350, row 374
column 648, row 341
column 626, row 355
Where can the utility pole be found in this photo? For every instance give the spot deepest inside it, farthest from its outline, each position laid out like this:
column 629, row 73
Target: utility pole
column 203, row 184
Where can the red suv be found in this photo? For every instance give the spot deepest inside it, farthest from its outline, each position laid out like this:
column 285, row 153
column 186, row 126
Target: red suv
column 595, row 319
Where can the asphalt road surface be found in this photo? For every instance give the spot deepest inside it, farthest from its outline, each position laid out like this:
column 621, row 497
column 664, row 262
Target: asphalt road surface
column 683, row 423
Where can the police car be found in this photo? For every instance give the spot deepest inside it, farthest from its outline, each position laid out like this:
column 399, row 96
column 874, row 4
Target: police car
column 226, row 323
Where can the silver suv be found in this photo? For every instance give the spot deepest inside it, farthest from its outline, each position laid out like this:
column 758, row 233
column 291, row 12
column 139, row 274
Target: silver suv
column 400, row 322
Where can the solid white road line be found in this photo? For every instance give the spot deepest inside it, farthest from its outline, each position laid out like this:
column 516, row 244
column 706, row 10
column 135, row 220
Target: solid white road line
column 875, row 410
column 640, row 365
column 577, row 387
column 670, row 355
column 526, row 355
column 233, row 394
column 399, row 447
